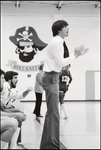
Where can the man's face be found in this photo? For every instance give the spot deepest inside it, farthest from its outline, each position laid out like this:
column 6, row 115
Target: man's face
column 64, row 31
column 14, row 81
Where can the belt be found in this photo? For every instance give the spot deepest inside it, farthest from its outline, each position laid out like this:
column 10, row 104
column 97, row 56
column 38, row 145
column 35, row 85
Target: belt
column 52, row 72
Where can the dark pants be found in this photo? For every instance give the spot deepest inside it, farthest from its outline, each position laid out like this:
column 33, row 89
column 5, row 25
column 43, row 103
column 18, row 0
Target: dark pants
column 50, row 135
column 38, row 103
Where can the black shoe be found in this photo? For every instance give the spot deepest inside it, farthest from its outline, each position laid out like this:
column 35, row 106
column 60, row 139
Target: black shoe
column 22, row 146
column 39, row 116
column 34, row 113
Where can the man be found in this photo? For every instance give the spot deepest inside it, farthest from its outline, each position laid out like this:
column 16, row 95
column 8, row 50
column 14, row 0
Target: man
column 8, row 126
column 12, row 79
column 38, row 91
column 53, row 64
column 9, row 95
column 65, row 79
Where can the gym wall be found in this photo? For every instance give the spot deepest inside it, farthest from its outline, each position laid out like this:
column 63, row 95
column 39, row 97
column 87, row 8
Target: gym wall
column 84, row 29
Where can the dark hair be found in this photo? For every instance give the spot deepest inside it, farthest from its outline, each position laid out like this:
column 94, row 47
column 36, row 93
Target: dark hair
column 57, row 26
column 41, row 67
column 9, row 75
column 2, row 72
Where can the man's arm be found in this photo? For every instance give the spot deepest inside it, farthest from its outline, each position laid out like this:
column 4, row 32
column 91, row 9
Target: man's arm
column 9, row 106
column 5, row 108
column 58, row 54
column 20, row 95
column 25, row 93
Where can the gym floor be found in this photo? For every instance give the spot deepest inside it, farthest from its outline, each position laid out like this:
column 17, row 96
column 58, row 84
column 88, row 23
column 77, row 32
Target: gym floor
column 80, row 131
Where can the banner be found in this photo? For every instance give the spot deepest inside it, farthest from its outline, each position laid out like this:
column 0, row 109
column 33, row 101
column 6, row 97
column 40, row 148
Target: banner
column 13, row 64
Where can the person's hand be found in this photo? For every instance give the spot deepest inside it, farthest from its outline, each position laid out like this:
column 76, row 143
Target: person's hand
column 80, row 51
column 20, row 116
column 29, row 89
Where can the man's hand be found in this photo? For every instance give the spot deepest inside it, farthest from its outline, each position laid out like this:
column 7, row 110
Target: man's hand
column 29, row 89
column 80, row 51
column 25, row 93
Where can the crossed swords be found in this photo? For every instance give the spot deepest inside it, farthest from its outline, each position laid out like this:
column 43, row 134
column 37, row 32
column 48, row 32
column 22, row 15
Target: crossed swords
column 25, row 37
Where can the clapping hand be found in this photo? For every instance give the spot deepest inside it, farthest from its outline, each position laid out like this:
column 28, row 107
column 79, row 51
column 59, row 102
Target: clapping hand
column 80, row 51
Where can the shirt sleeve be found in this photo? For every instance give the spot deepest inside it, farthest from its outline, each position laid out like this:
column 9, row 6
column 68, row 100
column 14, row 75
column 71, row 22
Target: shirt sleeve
column 15, row 95
column 58, row 55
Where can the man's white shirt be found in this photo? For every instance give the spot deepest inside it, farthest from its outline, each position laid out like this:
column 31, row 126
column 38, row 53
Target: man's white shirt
column 54, row 60
column 9, row 94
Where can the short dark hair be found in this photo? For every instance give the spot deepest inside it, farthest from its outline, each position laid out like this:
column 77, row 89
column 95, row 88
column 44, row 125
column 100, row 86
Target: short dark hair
column 57, row 26
column 9, row 75
column 2, row 72
column 41, row 67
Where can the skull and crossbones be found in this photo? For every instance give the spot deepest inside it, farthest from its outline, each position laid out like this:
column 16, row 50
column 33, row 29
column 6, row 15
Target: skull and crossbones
column 25, row 36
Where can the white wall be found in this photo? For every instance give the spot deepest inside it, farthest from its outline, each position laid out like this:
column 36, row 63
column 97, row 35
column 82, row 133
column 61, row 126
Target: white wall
column 84, row 25
column 93, row 85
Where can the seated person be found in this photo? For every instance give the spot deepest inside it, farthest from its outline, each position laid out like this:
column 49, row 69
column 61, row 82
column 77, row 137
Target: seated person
column 8, row 125
column 7, row 129
column 7, row 94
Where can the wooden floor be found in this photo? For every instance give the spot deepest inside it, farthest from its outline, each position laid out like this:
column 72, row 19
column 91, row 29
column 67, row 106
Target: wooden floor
column 80, row 131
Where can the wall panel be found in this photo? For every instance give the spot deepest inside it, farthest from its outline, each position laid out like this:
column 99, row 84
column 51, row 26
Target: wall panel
column 84, row 28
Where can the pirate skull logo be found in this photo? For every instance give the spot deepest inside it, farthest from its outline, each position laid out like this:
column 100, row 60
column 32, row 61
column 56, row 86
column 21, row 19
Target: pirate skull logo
column 28, row 43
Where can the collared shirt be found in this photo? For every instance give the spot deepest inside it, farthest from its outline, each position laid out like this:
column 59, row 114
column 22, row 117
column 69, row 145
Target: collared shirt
column 9, row 94
column 54, row 60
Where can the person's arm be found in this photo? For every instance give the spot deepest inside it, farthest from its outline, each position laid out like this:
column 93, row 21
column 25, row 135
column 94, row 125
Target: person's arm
column 9, row 106
column 25, row 93
column 70, row 77
column 4, row 108
column 12, row 110
column 58, row 54
column 18, row 95
column 39, row 78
